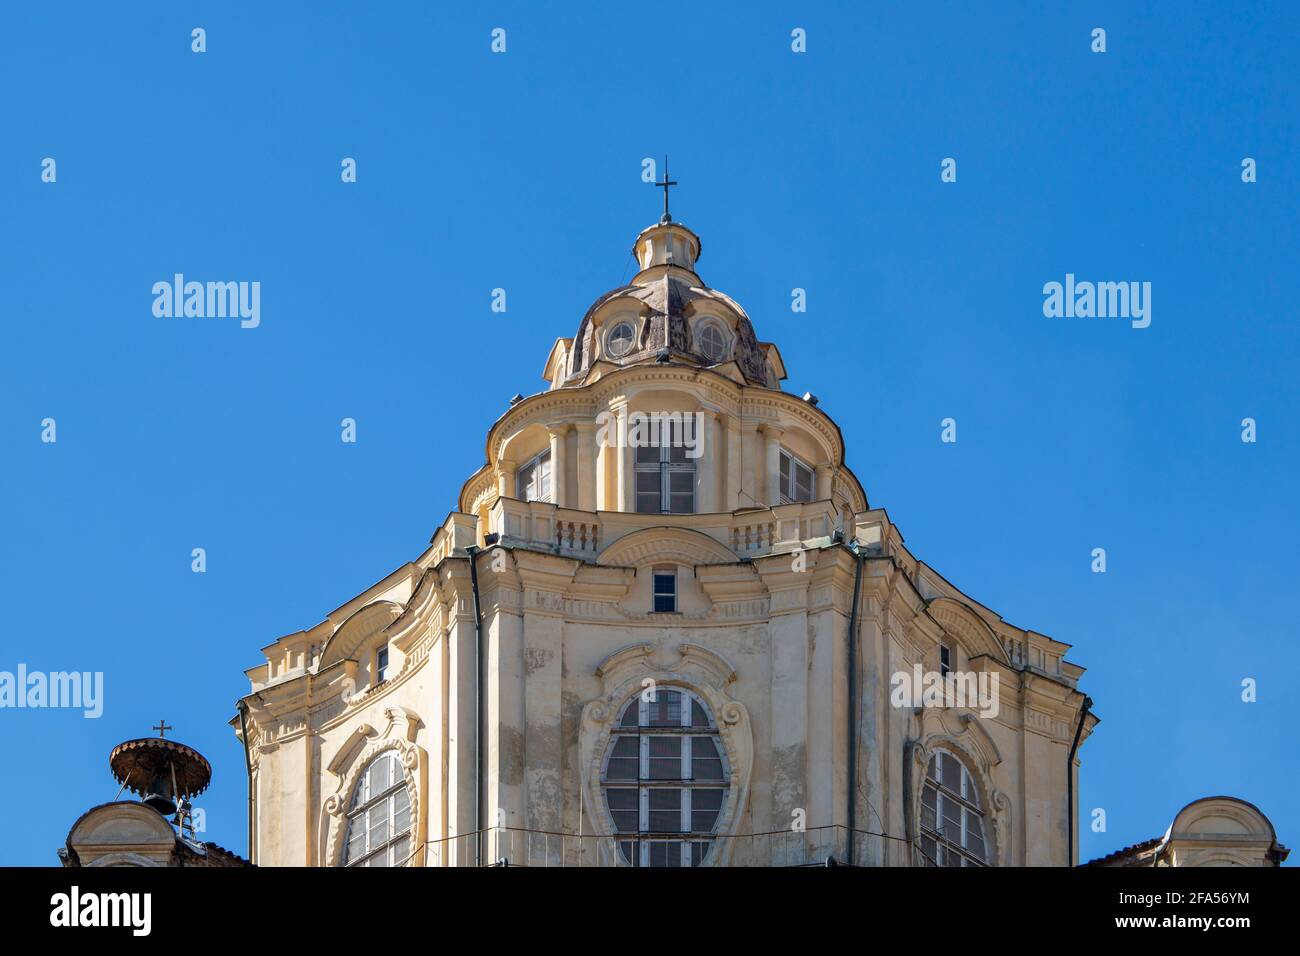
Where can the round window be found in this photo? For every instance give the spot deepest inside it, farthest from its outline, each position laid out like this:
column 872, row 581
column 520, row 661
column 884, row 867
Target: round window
column 713, row 345
column 619, row 341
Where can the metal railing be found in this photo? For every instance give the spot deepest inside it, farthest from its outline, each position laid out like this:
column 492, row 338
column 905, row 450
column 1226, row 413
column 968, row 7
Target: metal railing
column 816, row 846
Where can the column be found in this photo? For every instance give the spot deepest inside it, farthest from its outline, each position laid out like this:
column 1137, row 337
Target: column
column 506, row 470
column 731, row 501
column 825, row 470
column 586, row 495
column 559, row 462
column 706, row 466
column 626, row 494
column 772, row 458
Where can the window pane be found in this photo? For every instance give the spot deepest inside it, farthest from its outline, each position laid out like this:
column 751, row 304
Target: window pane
column 951, row 772
column 974, row 835
column 401, row 811
column 624, row 760
column 928, row 851
column 706, row 762
column 665, row 710
column 380, row 775
column 699, row 716
column 625, row 807
column 379, row 824
column 705, row 806
column 665, row 758
column 646, row 454
column 631, row 712
column 785, row 473
column 665, row 811
column 401, row 850
column 699, row 851
column 803, row 483
column 950, row 812
column 932, row 770
column 665, row 854
column 631, row 852
column 356, row 838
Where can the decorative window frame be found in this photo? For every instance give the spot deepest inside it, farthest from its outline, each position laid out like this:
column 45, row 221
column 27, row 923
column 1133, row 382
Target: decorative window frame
column 728, row 338
column 960, row 735
column 691, row 668
column 362, row 746
column 608, row 327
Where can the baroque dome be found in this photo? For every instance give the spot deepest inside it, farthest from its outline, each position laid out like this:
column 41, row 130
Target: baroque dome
column 666, row 314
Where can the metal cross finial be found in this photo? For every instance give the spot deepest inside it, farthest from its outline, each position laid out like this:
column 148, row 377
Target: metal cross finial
column 665, row 184
column 162, row 727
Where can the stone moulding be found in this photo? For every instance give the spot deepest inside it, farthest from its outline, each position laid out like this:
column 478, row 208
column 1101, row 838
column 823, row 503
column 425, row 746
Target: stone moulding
column 691, row 668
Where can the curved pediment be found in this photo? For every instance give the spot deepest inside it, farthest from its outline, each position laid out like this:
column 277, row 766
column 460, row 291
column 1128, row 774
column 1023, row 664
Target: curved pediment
column 353, row 632
column 966, row 626
column 124, row 822
column 1222, row 817
column 668, row 545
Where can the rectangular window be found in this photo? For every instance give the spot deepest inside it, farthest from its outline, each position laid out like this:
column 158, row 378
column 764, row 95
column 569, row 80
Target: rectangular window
column 945, row 660
column 665, row 473
column 797, row 479
column 533, row 480
column 665, row 591
column 381, row 664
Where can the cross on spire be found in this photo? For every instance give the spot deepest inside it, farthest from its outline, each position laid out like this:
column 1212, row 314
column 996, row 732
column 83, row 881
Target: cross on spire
column 162, row 727
column 665, row 185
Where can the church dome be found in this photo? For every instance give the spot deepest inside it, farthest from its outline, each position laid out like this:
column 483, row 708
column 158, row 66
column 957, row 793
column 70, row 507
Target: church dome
column 667, row 314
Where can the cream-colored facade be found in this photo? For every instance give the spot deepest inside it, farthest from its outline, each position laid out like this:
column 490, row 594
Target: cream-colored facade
column 750, row 668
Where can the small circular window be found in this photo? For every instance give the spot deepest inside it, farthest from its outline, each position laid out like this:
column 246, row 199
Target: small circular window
column 619, row 341
column 713, row 345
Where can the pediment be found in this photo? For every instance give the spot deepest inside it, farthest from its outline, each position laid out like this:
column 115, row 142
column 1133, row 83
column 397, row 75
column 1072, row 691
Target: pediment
column 966, row 626
column 353, row 632
column 667, row 545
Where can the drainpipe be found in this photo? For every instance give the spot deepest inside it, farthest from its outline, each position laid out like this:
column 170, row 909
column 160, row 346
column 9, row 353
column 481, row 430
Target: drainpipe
column 248, row 765
column 1069, row 776
column 473, row 551
column 860, row 557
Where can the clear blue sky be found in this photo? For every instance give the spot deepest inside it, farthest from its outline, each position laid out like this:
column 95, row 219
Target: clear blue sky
column 522, row 171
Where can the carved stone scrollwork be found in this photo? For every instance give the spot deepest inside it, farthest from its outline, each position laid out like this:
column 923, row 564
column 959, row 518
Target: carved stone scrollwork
column 961, row 736
column 691, row 668
column 350, row 762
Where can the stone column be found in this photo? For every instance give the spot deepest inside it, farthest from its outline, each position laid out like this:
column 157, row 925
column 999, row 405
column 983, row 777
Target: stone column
column 706, row 466
column 559, row 465
column 731, row 500
column 772, row 458
column 507, row 468
column 626, row 494
column 586, row 496
column 825, row 470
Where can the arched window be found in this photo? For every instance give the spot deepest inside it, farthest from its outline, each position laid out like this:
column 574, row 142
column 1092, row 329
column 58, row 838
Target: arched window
column 379, row 819
column 665, row 779
column 952, row 823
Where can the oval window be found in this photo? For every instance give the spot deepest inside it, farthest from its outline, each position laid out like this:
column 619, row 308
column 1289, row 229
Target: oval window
column 620, row 338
